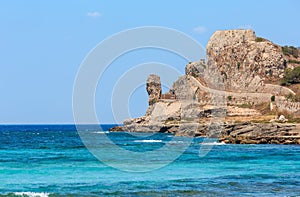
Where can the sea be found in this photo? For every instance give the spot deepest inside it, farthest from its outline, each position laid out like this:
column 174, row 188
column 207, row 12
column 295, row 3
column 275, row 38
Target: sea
column 55, row 160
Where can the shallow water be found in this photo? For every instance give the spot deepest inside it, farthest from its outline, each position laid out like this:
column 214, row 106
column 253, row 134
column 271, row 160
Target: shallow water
column 51, row 160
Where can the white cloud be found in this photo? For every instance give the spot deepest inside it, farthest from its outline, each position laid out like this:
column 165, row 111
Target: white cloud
column 94, row 14
column 199, row 30
column 245, row 27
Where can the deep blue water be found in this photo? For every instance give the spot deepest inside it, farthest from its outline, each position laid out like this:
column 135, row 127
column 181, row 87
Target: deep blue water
column 51, row 160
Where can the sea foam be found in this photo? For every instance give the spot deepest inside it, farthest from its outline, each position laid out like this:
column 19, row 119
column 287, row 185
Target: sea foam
column 148, row 141
column 213, row 143
column 101, row 132
column 31, row 194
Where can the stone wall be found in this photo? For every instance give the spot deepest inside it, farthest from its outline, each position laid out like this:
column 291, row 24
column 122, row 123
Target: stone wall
column 276, row 90
column 284, row 105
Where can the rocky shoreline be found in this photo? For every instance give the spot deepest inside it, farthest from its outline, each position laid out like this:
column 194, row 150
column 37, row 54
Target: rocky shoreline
column 229, row 133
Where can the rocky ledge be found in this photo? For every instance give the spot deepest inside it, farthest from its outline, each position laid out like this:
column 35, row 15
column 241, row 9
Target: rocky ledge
column 261, row 133
column 230, row 133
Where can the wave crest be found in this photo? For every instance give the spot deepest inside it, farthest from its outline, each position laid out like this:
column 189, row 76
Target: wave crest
column 31, row 194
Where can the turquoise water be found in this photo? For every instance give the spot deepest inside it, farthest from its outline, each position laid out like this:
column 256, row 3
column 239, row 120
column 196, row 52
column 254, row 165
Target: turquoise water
column 51, row 160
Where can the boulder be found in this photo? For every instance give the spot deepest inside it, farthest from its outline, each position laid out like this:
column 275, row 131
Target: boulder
column 117, row 128
column 282, row 118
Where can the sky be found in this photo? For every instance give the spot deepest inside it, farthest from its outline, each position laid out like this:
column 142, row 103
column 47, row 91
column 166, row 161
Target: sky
column 43, row 43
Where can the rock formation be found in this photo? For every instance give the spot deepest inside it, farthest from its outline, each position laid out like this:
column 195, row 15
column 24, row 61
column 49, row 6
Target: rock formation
column 236, row 83
column 243, row 62
column 254, row 133
column 153, row 87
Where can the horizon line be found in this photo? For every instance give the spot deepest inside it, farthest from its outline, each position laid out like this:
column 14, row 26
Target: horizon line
column 2, row 124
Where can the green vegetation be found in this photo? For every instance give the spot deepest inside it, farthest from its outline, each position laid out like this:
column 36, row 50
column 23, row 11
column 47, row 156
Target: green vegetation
column 290, row 50
column 294, row 62
column 245, row 105
column 293, row 98
column 194, row 97
column 259, row 39
column 284, row 63
column 229, row 98
column 291, row 76
column 292, row 119
column 238, row 65
column 273, row 98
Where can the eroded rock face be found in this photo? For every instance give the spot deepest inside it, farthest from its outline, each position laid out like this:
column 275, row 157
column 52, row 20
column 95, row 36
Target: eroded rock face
column 165, row 111
column 195, row 69
column 153, row 87
column 260, row 133
column 244, row 63
column 185, row 88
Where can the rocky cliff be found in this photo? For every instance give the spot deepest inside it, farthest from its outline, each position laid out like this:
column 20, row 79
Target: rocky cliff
column 236, row 83
column 243, row 61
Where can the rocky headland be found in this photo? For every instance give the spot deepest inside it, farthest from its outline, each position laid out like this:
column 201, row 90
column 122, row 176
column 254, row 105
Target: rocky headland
column 243, row 93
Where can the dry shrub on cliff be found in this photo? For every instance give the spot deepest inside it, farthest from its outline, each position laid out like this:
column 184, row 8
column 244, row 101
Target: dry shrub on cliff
column 260, row 39
column 293, row 98
column 264, row 108
column 290, row 50
column 291, row 76
column 293, row 61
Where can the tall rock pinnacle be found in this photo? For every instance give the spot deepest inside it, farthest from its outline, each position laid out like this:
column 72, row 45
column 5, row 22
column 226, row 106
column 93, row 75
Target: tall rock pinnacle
column 153, row 87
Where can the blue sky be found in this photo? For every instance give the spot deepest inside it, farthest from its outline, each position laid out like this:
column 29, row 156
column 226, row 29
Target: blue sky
column 42, row 44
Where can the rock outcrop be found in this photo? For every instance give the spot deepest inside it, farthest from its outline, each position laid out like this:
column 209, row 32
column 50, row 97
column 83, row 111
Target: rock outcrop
column 196, row 69
column 243, row 61
column 153, row 87
column 236, row 81
column 254, row 133
column 234, row 133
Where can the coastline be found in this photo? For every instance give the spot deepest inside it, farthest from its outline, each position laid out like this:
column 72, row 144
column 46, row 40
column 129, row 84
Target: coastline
column 229, row 133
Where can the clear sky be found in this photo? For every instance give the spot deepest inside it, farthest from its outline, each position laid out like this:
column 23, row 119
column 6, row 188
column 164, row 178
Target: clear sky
column 42, row 44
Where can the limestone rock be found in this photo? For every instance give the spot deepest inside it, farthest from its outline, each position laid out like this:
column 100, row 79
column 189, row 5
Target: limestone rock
column 195, row 69
column 153, row 86
column 282, row 118
column 237, row 111
column 185, row 88
column 243, row 62
column 116, row 128
column 165, row 111
column 261, row 133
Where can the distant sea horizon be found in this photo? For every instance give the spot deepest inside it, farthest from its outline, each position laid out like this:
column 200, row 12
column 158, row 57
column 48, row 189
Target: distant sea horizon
column 4, row 124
